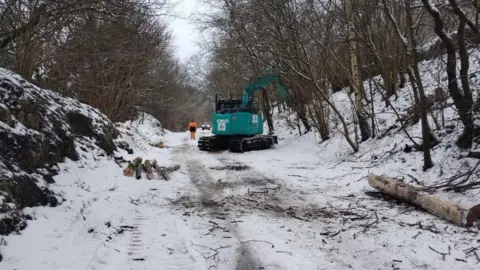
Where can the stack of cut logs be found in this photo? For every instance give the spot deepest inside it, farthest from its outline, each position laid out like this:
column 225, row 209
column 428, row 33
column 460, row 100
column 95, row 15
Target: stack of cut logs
column 136, row 168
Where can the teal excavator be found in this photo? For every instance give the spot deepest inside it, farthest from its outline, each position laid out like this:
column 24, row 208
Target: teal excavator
column 237, row 124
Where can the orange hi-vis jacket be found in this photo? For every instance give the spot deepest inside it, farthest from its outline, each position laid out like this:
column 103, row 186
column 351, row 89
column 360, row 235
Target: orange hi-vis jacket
column 192, row 126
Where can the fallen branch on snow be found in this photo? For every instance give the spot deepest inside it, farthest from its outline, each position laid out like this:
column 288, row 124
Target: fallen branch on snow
column 461, row 182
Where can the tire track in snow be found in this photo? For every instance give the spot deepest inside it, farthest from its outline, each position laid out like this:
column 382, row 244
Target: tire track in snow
column 136, row 248
column 153, row 241
column 91, row 247
column 105, row 257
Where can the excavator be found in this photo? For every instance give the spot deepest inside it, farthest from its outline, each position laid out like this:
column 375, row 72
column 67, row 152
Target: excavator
column 237, row 124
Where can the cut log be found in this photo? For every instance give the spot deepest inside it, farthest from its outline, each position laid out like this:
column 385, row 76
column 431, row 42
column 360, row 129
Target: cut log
column 164, row 172
column 459, row 215
column 148, row 168
column 138, row 171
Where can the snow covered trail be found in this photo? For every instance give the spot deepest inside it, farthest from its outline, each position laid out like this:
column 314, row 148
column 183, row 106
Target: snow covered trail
column 342, row 220
column 234, row 235
column 294, row 209
column 272, row 209
column 109, row 221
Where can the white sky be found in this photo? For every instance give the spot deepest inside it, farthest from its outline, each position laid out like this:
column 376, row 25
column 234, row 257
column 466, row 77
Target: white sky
column 185, row 33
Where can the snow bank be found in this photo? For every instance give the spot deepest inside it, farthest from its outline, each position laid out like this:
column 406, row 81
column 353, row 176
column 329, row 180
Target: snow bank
column 146, row 127
column 38, row 130
column 56, row 151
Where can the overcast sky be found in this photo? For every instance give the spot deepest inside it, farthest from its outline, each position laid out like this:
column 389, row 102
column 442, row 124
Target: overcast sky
column 185, row 33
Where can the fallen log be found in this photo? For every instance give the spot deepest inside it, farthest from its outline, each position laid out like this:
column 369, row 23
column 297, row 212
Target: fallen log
column 459, row 215
column 164, row 171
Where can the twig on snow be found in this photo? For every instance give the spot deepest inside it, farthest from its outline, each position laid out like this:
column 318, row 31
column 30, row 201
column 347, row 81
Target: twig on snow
column 256, row 192
column 214, row 227
column 235, row 222
column 262, row 241
column 215, row 251
column 473, row 251
column 461, row 185
column 360, row 179
column 335, row 234
column 369, row 225
column 414, row 179
column 273, row 189
column 441, row 253
column 132, row 201
column 430, row 228
column 391, row 152
column 336, row 164
column 360, row 168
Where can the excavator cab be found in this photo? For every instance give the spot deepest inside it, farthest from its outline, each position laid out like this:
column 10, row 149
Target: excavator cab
column 231, row 105
column 231, row 118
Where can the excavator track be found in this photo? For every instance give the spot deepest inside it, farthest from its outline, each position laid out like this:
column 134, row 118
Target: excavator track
column 240, row 144
column 213, row 143
column 236, row 144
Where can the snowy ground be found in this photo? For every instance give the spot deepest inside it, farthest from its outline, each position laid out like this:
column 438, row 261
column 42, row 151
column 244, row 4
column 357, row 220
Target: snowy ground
column 302, row 205
column 283, row 208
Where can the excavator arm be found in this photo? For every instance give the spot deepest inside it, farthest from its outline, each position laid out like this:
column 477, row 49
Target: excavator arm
column 262, row 82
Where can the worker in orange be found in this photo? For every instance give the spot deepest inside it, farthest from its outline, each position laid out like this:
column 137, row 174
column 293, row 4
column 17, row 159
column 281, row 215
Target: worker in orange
column 193, row 128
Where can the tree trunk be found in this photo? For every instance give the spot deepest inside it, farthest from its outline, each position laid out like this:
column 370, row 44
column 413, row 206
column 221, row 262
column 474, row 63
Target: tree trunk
column 456, row 214
column 319, row 113
column 389, row 76
column 361, row 114
column 468, row 131
column 302, row 115
column 403, row 80
column 372, row 107
column 461, row 102
column 426, row 131
column 267, row 111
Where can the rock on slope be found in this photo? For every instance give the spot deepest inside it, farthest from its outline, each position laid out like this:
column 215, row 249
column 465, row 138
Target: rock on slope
column 38, row 129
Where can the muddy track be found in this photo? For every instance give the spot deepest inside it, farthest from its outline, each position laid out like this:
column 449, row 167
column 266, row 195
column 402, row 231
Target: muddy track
column 210, row 192
column 246, row 191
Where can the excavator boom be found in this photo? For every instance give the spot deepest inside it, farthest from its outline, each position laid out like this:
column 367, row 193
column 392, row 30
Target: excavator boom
column 262, row 82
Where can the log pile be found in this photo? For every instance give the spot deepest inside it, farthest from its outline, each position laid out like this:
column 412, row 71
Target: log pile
column 136, row 168
column 459, row 215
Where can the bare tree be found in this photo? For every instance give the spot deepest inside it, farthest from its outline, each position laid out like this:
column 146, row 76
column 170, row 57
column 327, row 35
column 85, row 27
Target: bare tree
column 356, row 80
column 115, row 55
column 463, row 102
